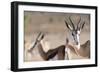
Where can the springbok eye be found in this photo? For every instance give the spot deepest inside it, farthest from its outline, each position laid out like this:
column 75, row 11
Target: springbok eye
column 72, row 34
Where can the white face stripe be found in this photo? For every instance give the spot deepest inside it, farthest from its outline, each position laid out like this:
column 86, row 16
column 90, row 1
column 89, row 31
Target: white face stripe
column 78, row 38
column 78, row 32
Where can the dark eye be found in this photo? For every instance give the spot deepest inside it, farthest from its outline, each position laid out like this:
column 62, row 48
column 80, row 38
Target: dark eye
column 72, row 34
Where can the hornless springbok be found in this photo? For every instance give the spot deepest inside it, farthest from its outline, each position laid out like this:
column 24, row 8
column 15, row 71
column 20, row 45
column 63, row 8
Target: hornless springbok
column 77, row 51
column 51, row 53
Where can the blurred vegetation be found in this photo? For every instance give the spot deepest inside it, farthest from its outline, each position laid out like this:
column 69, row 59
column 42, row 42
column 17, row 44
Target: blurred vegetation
column 26, row 20
column 51, row 20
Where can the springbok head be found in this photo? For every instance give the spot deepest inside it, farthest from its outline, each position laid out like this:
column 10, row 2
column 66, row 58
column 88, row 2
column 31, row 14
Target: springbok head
column 40, row 36
column 75, row 31
column 38, row 39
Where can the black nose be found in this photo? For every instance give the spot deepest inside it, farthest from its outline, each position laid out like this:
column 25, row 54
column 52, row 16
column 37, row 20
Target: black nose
column 76, row 43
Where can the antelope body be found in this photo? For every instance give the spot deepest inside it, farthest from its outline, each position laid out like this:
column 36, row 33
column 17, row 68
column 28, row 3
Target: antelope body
column 51, row 53
column 82, row 53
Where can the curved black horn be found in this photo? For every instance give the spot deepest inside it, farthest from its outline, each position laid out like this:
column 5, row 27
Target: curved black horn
column 68, row 26
column 78, row 25
column 72, row 23
column 82, row 25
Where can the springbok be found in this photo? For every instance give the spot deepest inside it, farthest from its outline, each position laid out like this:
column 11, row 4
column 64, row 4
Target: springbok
column 66, row 51
column 51, row 53
column 77, row 51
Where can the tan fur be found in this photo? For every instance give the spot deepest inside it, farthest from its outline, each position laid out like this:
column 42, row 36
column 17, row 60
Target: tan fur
column 82, row 53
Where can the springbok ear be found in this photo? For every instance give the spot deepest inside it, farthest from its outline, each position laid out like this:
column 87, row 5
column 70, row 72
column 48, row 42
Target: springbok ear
column 68, row 26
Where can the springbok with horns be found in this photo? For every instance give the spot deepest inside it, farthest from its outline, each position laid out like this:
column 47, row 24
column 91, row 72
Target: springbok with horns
column 77, row 51
column 51, row 53
column 66, row 51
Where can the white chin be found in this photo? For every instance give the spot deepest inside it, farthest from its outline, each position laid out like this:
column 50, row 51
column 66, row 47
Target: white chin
column 78, row 46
